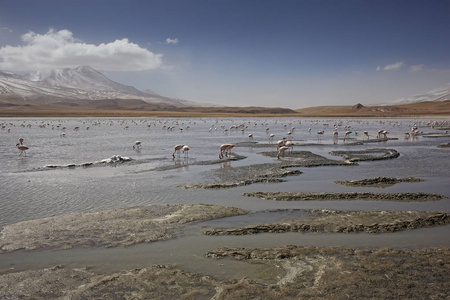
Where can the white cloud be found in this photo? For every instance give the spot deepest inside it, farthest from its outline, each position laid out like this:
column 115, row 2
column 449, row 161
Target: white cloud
column 416, row 68
column 394, row 66
column 172, row 41
column 58, row 49
column 6, row 28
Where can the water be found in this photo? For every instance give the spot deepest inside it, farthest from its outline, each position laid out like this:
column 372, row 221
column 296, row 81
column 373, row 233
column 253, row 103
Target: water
column 30, row 190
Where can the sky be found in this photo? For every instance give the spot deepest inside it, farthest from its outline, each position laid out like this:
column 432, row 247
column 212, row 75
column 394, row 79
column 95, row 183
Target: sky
column 276, row 53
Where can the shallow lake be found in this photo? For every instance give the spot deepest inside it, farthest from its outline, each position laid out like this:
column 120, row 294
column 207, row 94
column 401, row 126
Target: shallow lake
column 56, row 177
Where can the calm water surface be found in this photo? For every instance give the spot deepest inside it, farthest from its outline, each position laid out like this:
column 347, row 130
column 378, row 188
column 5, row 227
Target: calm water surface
column 30, row 190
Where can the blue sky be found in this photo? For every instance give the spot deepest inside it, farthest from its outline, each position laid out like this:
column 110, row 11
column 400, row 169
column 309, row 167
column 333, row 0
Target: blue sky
column 248, row 52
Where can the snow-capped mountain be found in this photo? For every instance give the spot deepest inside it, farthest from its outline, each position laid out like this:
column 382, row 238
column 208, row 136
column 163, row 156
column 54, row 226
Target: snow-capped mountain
column 82, row 77
column 81, row 83
column 440, row 94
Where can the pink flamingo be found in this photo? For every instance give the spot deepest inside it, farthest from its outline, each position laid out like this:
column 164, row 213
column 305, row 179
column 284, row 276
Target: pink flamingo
column 366, row 134
column 379, row 134
column 347, row 133
column 137, row 144
column 320, row 134
column 280, row 143
column 335, row 136
column 177, row 148
column 21, row 148
column 250, row 136
column 225, row 148
column 290, row 145
column 229, row 147
column 185, row 150
column 271, row 138
column 281, row 150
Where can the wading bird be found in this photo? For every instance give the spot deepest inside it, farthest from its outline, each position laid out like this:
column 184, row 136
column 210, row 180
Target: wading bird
column 281, row 150
column 22, row 149
column 347, row 133
column 177, row 148
column 225, row 148
column 185, row 150
column 137, row 145
column 290, row 145
column 320, row 134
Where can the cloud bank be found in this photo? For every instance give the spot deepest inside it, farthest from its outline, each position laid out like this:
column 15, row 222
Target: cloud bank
column 394, row 66
column 416, row 68
column 59, row 49
column 172, row 41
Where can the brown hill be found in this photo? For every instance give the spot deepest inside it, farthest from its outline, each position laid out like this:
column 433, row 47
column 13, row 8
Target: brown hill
column 414, row 109
column 17, row 107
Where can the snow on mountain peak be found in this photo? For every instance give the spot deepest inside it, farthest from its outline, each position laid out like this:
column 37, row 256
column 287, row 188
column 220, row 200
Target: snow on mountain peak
column 441, row 93
column 82, row 83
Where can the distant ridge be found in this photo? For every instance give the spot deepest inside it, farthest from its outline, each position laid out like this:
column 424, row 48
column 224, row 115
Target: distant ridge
column 441, row 93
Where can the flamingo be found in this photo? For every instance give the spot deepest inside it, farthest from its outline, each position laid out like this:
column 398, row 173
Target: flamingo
column 280, row 143
column 271, row 138
column 229, row 147
column 223, row 148
column 21, row 141
column 347, row 133
column 290, row 145
column 336, row 136
column 366, row 134
column 21, row 148
column 320, row 134
column 177, row 148
column 379, row 134
column 185, row 150
column 137, row 144
column 281, row 150
column 250, row 136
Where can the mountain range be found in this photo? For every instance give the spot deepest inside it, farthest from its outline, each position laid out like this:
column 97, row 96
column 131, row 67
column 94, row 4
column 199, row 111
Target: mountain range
column 76, row 85
column 441, row 93
column 85, row 86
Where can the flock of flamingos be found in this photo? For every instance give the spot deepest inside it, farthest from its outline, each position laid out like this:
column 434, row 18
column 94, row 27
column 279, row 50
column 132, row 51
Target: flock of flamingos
column 282, row 145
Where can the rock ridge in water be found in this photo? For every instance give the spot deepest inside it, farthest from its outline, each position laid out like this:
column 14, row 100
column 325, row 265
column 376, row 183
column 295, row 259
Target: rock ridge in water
column 377, row 181
column 115, row 159
column 346, row 222
column 322, row 196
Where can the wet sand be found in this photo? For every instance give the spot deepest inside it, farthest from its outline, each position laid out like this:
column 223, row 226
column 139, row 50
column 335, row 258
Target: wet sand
column 298, row 273
column 109, row 228
column 342, row 273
